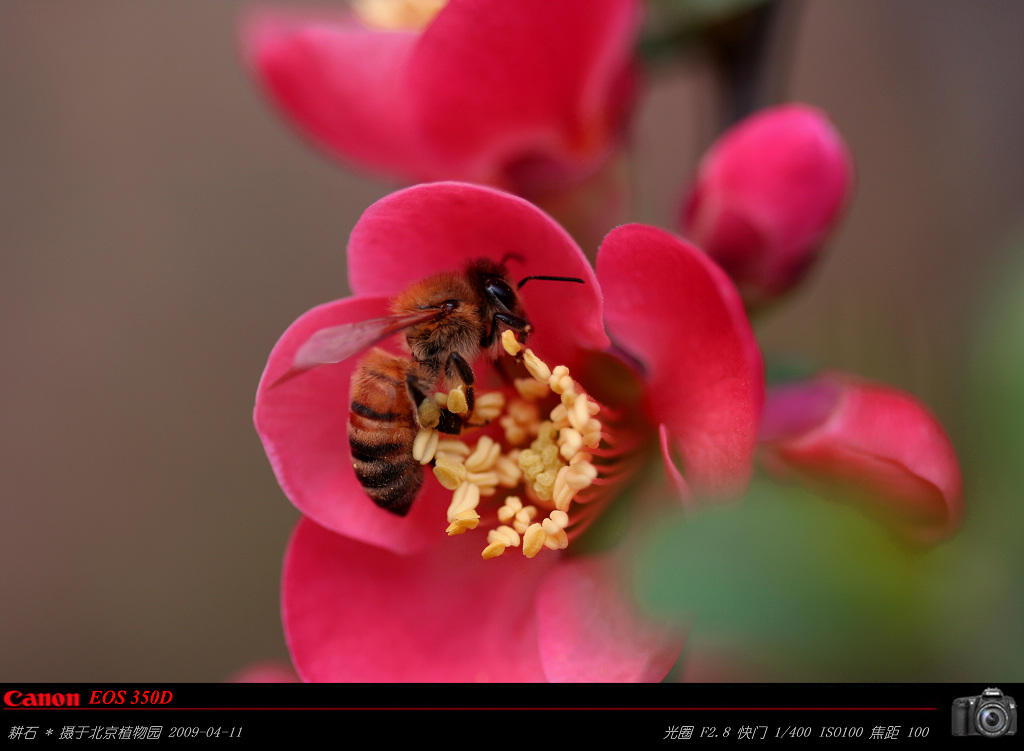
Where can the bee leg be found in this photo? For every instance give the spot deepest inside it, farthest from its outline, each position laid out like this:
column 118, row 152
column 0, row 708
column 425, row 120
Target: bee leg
column 520, row 325
column 457, row 368
column 448, row 422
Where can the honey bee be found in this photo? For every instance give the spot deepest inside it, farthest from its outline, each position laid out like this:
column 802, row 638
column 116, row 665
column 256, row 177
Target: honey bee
column 448, row 320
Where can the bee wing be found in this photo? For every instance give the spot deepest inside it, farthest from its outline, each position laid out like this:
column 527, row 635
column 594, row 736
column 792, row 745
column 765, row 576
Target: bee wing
column 337, row 343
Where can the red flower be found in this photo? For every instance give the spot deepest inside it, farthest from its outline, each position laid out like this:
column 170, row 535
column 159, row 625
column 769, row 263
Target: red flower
column 874, row 442
column 370, row 596
column 766, row 195
column 526, row 95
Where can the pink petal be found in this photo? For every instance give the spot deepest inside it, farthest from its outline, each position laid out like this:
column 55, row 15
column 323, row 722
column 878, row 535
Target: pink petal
column 674, row 310
column 354, row 612
column 589, row 632
column 495, row 82
column 874, row 440
column 766, row 195
column 303, row 424
column 426, row 229
column 343, row 86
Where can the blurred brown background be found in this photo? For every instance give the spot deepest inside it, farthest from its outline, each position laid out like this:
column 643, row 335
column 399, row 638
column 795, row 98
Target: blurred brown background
column 160, row 227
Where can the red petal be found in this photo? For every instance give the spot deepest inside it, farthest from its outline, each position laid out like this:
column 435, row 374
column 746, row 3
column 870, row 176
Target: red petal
column 303, row 424
column 353, row 612
column 426, row 229
column 343, row 85
column 674, row 310
column 495, row 82
column 589, row 632
column 875, row 440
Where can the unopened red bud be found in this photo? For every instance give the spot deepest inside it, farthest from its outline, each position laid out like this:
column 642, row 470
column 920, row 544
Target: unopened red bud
column 766, row 196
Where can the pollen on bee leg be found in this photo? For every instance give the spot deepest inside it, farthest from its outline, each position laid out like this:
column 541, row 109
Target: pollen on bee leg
column 425, row 445
column 510, row 343
column 429, row 413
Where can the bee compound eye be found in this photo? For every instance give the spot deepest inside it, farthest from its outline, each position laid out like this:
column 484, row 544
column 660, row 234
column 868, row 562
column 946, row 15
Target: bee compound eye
column 499, row 290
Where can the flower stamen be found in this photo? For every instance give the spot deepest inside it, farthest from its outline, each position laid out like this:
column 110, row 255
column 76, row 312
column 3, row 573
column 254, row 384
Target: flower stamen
column 537, row 465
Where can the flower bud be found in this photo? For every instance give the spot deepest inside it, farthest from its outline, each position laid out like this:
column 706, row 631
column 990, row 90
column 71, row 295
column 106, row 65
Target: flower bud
column 878, row 446
column 766, row 195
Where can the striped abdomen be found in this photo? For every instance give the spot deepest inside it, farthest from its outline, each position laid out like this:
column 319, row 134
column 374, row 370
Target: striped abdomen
column 382, row 426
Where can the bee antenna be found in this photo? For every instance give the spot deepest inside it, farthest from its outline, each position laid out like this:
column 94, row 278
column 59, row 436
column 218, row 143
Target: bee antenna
column 524, row 280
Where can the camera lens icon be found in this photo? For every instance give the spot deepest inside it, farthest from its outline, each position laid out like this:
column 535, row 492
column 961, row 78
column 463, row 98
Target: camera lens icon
column 991, row 714
column 993, row 720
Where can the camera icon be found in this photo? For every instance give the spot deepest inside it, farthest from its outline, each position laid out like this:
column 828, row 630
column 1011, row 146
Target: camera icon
column 992, row 714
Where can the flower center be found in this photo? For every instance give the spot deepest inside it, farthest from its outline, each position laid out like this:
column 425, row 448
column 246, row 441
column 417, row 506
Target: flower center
column 542, row 468
column 397, row 15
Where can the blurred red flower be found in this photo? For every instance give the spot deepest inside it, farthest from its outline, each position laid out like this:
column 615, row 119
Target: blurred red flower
column 876, row 444
column 526, row 96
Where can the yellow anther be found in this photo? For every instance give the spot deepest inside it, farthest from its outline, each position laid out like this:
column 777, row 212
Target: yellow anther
column 510, row 343
column 484, row 455
column 466, row 498
column 488, row 406
column 493, row 550
column 566, row 387
column 512, row 506
column 580, row 475
column 457, row 400
column 509, row 473
column 504, row 534
column 559, row 416
column 533, row 540
column 524, row 518
column 536, row 367
column 463, row 522
column 449, row 473
column 454, row 447
column 485, row 480
column 425, row 445
column 559, row 518
column 570, row 441
column 524, row 413
column 556, row 379
column 530, row 389
column 557, row 541
column 579, row 415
